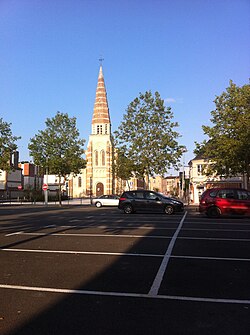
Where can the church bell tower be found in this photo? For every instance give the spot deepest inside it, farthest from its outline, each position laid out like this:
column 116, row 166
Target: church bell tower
column 100, row 148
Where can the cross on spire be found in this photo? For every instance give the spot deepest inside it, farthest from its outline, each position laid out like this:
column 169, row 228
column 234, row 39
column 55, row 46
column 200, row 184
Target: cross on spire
column 101, row 59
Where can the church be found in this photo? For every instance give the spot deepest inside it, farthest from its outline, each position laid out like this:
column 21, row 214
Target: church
column 97, row 178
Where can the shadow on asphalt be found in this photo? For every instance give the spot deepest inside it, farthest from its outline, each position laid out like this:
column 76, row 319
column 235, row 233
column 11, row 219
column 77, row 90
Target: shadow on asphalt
column 76, row 314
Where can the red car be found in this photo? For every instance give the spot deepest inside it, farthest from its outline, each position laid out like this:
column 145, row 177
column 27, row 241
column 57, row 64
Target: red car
column 225, row 201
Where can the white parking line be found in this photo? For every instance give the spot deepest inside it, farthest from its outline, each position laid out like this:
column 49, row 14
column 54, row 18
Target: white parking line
column 81, row 252
column 134, row 236
column 16, row 233
column 215, row 239
column 158, row 279
column 191, row 221
column 117, row 227
column 24, row 230
column 207, row 258
column 126, row 295
column 74, row 252
column 97, row 235
column 151, row 228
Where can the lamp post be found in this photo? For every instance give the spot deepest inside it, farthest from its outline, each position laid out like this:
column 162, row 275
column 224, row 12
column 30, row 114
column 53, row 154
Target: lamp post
column 46, row 182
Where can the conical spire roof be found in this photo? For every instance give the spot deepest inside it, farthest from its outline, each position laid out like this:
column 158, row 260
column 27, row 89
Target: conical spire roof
column 101, row 110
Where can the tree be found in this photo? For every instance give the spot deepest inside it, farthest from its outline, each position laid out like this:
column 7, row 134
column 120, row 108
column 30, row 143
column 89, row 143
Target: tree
column 124, row 168
column 7, row 145
column 58, row 147
column 146, row 136
column 227, row 148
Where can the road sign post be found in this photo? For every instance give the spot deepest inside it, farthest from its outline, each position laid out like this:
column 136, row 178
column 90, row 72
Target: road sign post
column 45, row 189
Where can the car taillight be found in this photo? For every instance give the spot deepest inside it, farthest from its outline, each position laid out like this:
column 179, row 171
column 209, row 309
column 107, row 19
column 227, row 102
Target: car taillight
column 122, row 199
column 203, row 202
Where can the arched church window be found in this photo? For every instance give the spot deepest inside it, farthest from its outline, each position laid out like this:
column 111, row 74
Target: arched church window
column 79, row 182
column 96, row 157
column 103, row 157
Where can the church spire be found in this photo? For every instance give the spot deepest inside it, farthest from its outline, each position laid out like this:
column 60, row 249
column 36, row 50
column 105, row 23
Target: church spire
column 101, row 119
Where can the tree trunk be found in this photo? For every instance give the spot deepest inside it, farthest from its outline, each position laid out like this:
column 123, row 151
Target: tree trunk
column 148, row 182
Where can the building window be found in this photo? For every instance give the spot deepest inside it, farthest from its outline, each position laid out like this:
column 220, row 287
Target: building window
column 199, row 168
column 96, row 157
column 79, row 182
column 103, row 157
column 106, row 128
column 99, row 129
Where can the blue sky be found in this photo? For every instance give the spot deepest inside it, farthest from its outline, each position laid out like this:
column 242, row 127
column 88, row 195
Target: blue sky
column 187, row 50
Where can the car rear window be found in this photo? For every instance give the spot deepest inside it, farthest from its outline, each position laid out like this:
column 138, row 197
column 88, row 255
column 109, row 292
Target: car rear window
column 213, row 194
column 243, row 195
column 226, row 194
column 126, row 195
column 133, row 195
column 151, row 196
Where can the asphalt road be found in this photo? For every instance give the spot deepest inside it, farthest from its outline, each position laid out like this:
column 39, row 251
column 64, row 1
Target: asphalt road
column 81, row 270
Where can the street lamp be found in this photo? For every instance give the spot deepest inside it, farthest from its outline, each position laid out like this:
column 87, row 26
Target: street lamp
column 46, row 191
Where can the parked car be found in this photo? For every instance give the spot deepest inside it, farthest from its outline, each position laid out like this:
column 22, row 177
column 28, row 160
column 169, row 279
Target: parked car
column 225, row 201
column 105, row 200
column 133, row 201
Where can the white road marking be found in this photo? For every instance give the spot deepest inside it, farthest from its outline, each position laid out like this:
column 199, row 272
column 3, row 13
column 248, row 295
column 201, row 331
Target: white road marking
column 124, row 254
column 24, row 230
column 98, row 235
column 81, row 252
column 219, row 223
column 126, row 295
column 151, row 227
column 159, row 276
column 16, row 233
column 134, row 236
column 215, row 239
column 207, row 258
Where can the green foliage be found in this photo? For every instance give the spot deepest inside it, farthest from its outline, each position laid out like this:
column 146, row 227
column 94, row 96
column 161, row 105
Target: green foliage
column 146, row 136
column 228, row 144
column 58, row 147
column 7, row 144
column 123, row 167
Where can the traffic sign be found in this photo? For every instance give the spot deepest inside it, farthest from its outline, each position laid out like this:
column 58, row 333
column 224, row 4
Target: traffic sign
column 45, row 187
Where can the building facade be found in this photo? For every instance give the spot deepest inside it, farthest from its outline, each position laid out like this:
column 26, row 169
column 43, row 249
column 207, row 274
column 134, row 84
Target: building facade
column 199, row 181
column 32, row 176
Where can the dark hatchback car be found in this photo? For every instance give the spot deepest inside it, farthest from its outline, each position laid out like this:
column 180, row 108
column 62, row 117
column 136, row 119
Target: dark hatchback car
column 215, row 202
column 144, row 200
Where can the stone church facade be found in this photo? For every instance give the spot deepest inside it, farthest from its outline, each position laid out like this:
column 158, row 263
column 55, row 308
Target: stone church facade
column 97, row 178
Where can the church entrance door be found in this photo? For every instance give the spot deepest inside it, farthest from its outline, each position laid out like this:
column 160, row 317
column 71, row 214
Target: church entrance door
column 99, row 189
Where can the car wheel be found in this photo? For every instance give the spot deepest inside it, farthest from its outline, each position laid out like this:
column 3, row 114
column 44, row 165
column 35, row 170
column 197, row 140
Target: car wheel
column 213, row 212
column 128, row 209
column 98, row 204
column 169, row 210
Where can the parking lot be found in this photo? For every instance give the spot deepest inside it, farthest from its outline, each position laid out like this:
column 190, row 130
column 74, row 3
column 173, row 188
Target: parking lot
column 83, row 270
